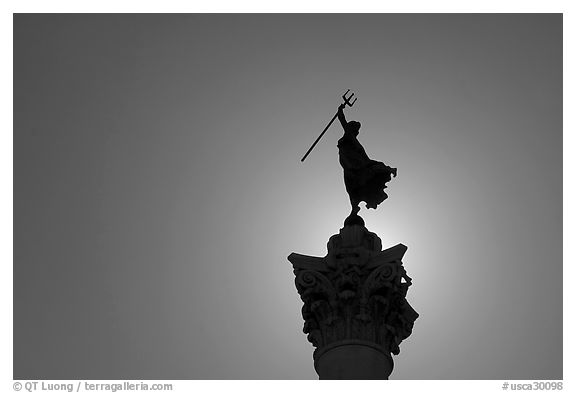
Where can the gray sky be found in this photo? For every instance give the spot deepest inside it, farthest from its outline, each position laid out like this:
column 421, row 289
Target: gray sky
column 158, row 188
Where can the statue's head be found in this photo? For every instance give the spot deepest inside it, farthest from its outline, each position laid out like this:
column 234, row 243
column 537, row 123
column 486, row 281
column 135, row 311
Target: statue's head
column 353, row 127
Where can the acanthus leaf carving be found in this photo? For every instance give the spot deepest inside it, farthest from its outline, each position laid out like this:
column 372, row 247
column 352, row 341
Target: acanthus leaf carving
column 356, row 292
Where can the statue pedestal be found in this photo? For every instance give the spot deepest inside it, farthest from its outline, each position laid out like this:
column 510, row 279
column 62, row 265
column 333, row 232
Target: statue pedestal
column 355, row 309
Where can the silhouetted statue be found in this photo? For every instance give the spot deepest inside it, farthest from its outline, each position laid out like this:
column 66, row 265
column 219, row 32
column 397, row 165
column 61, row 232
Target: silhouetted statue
column 355, row 309
column 365, row 179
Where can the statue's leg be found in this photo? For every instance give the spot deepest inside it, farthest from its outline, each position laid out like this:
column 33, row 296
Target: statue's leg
column 355, row 204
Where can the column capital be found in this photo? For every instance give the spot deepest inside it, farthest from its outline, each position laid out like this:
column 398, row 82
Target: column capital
column 355, row 295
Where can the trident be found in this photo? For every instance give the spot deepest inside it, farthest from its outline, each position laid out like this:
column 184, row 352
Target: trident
column 346, row 102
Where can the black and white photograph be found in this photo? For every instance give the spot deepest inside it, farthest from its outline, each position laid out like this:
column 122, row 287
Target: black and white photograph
column 288, row 196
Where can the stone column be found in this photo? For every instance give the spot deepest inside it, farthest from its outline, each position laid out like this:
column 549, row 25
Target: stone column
column 355, row 309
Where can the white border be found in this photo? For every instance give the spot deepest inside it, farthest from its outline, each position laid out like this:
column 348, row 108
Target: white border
column 300, row 6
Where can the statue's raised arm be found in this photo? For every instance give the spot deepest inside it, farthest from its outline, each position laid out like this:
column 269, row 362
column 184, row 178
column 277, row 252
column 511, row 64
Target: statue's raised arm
column 341, row 116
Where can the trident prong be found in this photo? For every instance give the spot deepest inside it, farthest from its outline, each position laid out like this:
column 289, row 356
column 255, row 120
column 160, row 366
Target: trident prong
column 347, row 99
column 346, row 102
